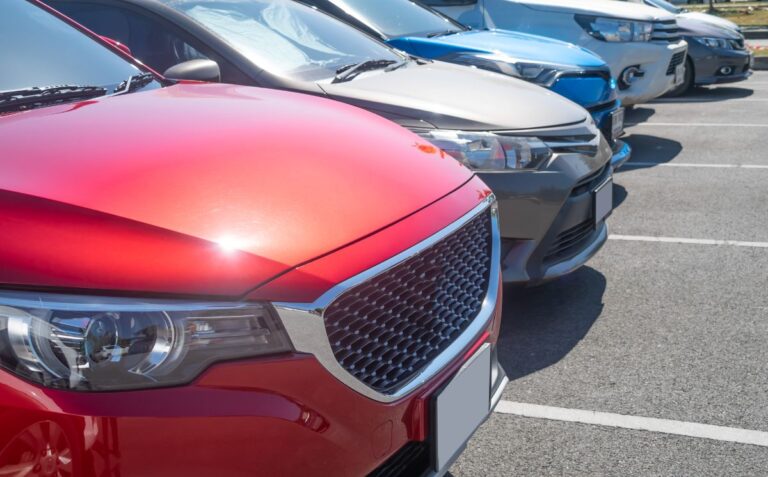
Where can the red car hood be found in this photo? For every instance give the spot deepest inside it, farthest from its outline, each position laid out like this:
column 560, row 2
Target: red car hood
column 201, row 189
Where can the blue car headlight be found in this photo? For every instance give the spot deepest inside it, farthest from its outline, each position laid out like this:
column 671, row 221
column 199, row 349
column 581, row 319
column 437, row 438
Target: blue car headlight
column 543, row 74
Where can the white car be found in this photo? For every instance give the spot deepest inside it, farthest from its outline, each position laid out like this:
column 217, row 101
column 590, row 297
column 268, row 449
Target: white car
column 641, row 44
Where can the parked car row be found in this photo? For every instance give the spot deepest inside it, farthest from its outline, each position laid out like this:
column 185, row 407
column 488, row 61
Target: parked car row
column 285, row 254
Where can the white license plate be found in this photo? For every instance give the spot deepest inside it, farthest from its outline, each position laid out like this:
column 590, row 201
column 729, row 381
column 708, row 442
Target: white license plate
column 603, row 200
column 617, row 123
column 461, row 406
column 679, row 74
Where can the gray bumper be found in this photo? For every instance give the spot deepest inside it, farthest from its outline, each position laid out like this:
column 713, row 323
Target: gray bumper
column 546, row 216
column 707, row 63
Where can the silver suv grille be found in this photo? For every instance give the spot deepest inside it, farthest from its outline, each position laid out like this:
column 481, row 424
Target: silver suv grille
column 666, row 31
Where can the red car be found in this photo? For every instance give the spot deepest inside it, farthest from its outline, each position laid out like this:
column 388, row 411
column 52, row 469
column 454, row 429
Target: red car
column 205, row 279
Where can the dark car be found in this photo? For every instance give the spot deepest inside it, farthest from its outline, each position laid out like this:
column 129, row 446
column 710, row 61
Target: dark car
column 717, row 52
column 542, row 155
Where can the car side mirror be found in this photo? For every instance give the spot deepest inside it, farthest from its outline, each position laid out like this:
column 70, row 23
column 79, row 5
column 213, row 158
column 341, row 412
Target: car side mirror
column 195, row 70
column 121, row 46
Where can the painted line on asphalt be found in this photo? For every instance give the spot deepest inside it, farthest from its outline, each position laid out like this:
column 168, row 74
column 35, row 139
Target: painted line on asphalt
column 689, row 241
column 700, row 125
column 704, row 100
column 690, row 164
column 651, row 424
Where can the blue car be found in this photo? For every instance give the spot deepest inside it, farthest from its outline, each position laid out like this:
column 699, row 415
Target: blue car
column 566, row 69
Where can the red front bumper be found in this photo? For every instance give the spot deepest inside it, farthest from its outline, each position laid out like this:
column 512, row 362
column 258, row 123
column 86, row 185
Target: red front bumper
column 279, row 416
column 283, row 416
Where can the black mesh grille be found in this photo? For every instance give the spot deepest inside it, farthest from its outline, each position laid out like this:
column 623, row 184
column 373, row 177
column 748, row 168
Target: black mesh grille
column 410, row 461
column 677, row 59
column 387, row 329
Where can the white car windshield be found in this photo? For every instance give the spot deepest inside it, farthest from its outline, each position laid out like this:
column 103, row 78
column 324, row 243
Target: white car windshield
column 284, row 37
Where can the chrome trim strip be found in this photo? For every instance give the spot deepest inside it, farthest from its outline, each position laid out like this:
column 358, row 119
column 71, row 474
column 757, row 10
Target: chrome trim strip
column 306, row 328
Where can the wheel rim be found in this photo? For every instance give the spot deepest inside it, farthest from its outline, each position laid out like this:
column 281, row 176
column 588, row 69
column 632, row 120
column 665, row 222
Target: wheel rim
column 40, row 450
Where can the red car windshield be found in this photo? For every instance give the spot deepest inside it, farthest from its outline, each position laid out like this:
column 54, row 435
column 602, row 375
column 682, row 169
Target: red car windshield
column 39, row 50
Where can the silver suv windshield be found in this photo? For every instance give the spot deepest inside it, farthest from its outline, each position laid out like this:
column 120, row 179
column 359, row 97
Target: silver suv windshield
column 284, row 37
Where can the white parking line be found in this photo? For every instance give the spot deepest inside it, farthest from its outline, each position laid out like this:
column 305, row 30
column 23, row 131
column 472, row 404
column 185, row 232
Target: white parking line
column 643, row 238
column 705, row 100
column 700, row 125
column 708, row 101
column 690, row 164
column 665, row 426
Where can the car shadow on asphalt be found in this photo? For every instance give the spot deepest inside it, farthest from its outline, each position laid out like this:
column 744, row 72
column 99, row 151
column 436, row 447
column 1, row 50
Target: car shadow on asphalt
column 638, row 115
column 619, row 195
column 708, row 95
column 649, row 151
column 543, row 324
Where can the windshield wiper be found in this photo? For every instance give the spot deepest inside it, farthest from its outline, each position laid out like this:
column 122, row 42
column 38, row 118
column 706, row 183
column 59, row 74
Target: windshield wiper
column 30, row 98
column 442, row 33
column 134, row 83
column 347, row 72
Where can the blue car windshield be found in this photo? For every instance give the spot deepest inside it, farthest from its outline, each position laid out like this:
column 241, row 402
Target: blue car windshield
column 285, row 37
column 397, row 18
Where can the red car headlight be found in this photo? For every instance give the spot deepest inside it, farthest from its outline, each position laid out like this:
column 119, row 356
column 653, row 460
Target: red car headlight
column 105, row 344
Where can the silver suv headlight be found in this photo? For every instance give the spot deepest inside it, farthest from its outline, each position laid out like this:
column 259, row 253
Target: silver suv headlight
column 616, row 30
column 486, row 151
column 105, row 344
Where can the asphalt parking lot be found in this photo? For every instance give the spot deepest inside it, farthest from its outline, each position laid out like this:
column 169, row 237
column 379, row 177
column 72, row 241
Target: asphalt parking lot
column 669, row 321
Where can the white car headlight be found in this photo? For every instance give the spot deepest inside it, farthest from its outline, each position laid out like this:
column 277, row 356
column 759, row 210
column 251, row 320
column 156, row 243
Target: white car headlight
column 616, row 30
column 485, row 151
column 106, row 344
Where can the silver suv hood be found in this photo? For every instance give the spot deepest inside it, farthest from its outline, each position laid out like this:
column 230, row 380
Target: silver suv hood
column 602, row 8
column 447, row 96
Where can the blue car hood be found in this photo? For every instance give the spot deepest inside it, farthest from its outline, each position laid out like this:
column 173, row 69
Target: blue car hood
column 512, row 44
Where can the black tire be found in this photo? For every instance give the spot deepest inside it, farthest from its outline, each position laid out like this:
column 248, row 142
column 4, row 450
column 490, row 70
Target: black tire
column 687, row 83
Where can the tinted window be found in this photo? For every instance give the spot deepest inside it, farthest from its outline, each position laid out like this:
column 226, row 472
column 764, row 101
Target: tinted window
column 395, row 18
column 38, row 49
column 148, row 40
column 284, row 37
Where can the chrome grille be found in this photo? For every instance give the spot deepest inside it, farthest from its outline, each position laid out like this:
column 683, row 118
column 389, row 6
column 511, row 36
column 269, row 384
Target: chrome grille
column 666, row 31
column 387, row 329
column 677, row 59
